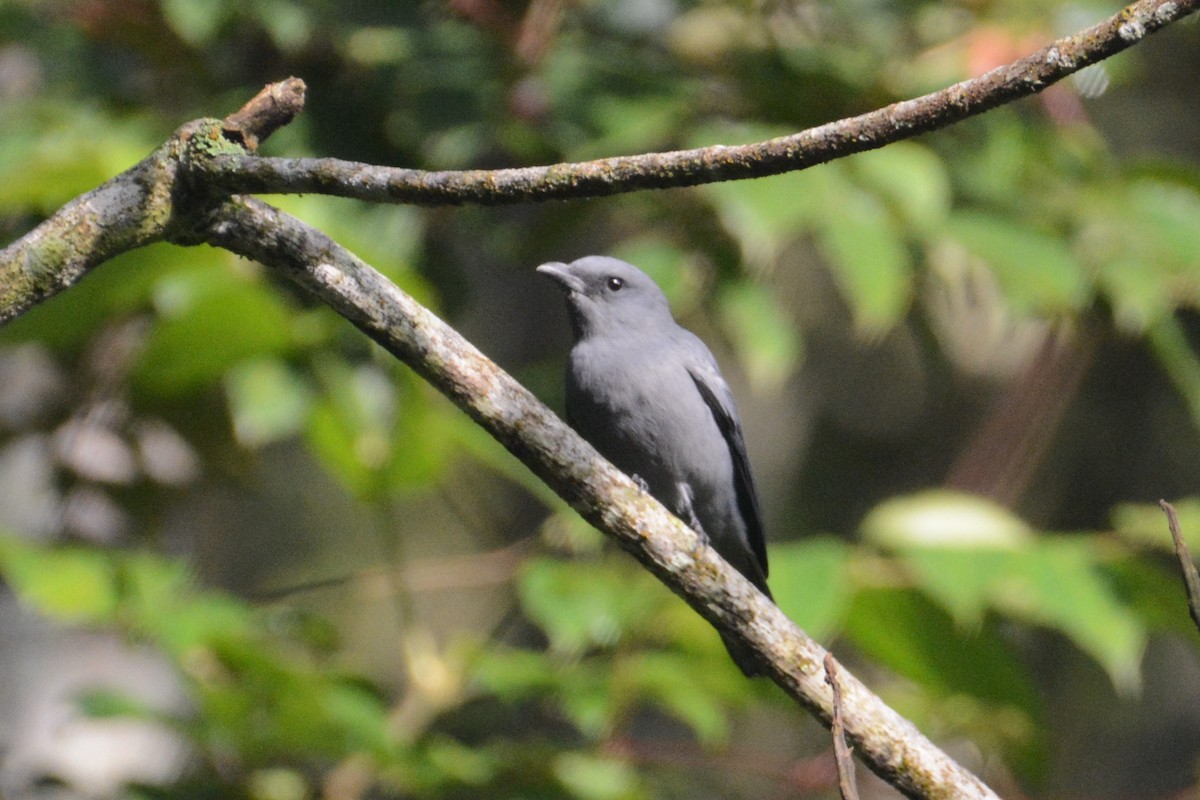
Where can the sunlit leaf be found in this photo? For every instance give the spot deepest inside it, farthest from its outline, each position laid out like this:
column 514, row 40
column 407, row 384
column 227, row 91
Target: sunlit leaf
column 912, row 178
column 811, row 583
column 72, row 584
column 1059, row 584
column 587, row 603
column 939, row 517
column 907, row 633
column 209, row 321
column 1146, row 523
column 590, row 777
column 765, row 339
column 868, row 255
column 963, row 580
column 1037, row 271
column 267, row 400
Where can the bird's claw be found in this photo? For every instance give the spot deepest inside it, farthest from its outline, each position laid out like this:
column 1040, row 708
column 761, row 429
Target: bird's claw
column 687, row 513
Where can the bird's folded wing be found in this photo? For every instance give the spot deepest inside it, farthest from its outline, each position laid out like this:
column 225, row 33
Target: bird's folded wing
column 719, row 398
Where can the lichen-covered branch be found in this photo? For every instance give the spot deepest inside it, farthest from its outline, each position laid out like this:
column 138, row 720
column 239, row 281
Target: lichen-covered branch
column 130, row 210
column 138, row 207
column 608, row 176
column 888, row 743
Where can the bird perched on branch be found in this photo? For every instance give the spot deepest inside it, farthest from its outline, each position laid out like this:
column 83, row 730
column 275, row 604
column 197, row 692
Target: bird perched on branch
column 648, row 395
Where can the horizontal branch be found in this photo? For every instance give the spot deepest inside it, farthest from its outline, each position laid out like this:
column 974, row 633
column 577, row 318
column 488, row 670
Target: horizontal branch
column 608, row 176
column 888, row 743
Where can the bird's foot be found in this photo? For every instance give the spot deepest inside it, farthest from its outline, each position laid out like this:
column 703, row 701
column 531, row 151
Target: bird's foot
column 687, row 513
column 641, row 483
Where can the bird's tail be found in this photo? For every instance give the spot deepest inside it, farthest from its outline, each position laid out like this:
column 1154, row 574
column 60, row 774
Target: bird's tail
column 744, row 657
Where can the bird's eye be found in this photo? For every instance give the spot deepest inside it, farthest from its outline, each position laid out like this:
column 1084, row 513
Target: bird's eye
column 615, row 284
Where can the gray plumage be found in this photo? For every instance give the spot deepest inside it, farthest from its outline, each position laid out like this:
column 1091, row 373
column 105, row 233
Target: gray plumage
column 648, row 395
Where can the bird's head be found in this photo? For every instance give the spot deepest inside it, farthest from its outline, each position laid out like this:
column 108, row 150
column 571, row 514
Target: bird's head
column 607, row 296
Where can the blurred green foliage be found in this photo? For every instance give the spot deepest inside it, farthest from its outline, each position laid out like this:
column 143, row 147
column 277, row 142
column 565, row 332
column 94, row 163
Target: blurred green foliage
column 979, row 246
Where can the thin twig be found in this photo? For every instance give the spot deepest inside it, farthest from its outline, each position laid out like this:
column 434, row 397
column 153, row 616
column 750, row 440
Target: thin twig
column 798, row 777
column 1191, row 578
column 268, row 111
column 842, row 754
column 471, row 571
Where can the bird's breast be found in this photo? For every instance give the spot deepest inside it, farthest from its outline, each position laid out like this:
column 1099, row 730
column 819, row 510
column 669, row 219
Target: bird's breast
column 640, row 408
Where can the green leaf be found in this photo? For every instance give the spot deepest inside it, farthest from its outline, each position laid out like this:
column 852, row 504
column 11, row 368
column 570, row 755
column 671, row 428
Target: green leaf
column 1154, row 590
column 357, row 714
column 54, row 149
column 512, row 674
column 912, row 178
column 210, row 320
column 467, row 765
column 1167, row 213
column 940, row 517
column 587, row 698
column 811, row 583
column 590, row 777
column 1059, row 584
column 67, row 583
column 277, row 784
column 108, row 704
column 586, row 604
column 963, row 581
column 766, row 341
column 970, row 556
column 1169, row 342
column 765, row 215
column 352, row 425
column 122, row 289
column 666, row 264
column 672, row 681
column 424, row 438
column 1139, row 293
column 903, row 630
column 870, row 259
column 267, row 400
column 1037, row 271
column 630, row 125
column 196, row 21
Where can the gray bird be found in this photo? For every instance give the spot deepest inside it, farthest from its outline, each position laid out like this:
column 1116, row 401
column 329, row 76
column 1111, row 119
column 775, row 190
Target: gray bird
column 648, row 395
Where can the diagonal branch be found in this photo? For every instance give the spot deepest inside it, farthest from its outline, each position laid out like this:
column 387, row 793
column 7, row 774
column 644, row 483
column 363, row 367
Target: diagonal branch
column 889, row 744
column 902, row 120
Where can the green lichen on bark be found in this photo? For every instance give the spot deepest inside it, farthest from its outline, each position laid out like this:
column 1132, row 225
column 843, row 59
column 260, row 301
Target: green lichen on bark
column 150, row 202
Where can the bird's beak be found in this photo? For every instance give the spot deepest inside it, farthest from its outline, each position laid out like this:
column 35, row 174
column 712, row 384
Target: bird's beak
column 557, row 271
